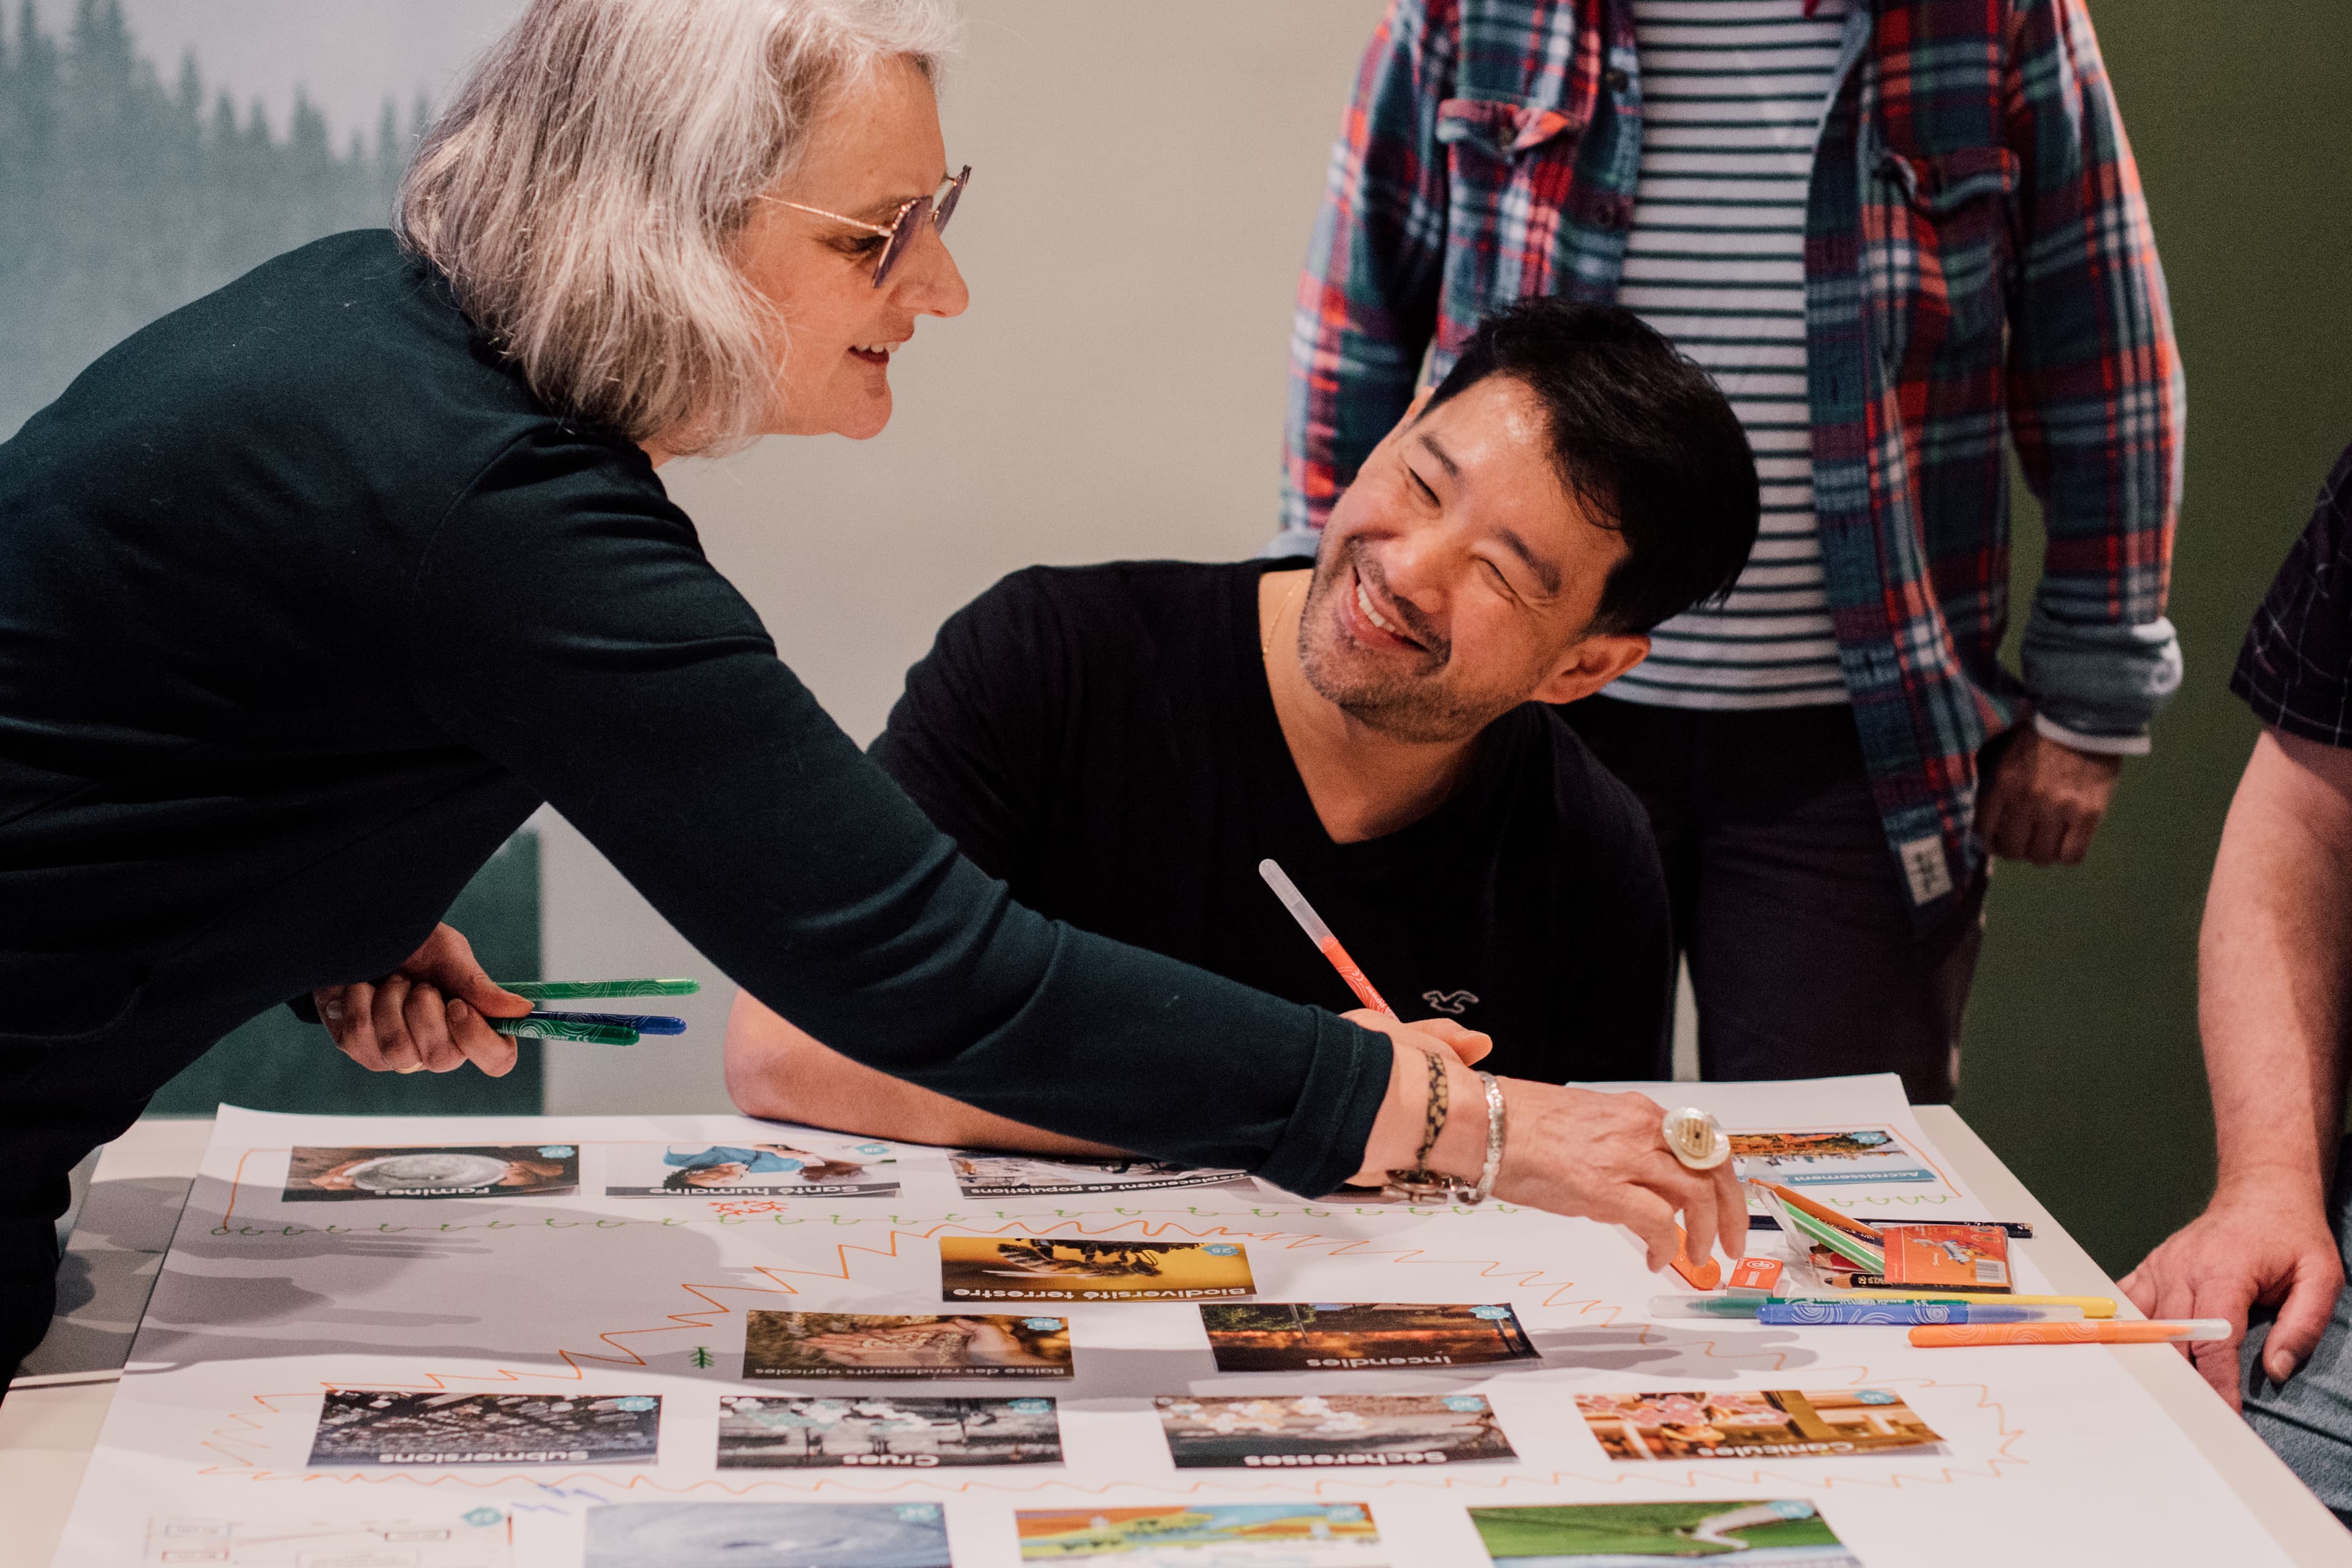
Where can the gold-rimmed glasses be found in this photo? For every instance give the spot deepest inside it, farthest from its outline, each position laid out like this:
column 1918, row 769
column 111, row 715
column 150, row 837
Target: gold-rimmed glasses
column 940, row 204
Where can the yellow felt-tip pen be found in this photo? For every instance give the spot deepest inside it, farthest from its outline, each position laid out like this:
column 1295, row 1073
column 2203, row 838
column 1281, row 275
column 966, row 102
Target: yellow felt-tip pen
column 2125, row 1334
column 2092, row 1306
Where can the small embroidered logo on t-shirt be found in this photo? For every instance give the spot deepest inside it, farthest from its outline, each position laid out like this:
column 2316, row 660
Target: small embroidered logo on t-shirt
column 1453, row 1002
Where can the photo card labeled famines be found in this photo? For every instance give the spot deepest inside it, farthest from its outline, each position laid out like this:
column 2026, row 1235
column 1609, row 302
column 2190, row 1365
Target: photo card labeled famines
column 366, row 1426
column 1062, row 1269
column 1752, row 1424
column 883, row 1431
column 926, row 1345
column 433, row 1171
column 1328, row 1431
column 1327, row 1336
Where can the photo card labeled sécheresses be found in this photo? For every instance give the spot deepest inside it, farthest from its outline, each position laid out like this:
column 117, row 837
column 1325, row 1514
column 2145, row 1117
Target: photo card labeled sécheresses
column 1328, row 1431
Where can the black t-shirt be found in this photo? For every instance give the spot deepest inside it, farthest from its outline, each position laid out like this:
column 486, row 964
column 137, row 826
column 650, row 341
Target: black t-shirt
column 1103, row 739
column 2295, row 669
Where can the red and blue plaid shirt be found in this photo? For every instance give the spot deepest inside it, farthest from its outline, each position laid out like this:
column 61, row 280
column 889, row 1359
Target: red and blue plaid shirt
column 1978, row 265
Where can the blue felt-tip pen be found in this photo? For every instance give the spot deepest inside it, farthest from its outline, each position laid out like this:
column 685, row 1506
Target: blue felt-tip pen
column 643, row 1022
column 1908, row 1314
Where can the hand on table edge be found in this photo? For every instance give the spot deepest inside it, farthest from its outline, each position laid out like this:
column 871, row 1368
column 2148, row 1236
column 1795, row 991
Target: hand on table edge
column 1575, row 1152
column 2254, row 1244
column 431, row 1015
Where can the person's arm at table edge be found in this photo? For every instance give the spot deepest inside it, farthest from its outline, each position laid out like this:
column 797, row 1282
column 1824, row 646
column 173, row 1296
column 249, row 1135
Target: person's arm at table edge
column 2274, row 993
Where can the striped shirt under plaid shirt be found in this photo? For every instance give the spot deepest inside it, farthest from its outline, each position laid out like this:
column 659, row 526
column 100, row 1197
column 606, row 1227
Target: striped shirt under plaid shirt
column 1494, row 150
column 1732, row 95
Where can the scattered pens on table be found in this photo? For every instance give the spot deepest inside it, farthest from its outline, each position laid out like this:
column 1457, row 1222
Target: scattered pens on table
column 2017, row 1229
column 1954, row 1335
column 1321, row 935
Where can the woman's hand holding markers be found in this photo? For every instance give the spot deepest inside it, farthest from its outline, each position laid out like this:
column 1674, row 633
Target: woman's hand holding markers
column 1568, row 1151
column 431, row 1015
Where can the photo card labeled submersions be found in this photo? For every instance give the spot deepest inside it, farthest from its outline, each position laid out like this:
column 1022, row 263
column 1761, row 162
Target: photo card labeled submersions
column 1753, row 1424
column 365, row 1427
column 476, row 1537
column 766, row 1535
column 433, row 1171
column 1066, row 1268
column 1786, row 1533
column 1838, row 1157
column 1325, row 1336
column 1205, row 1535
column 1329, row 1431
column 806, row 1168
column 986, row 1173
column 883, row 1431
column 871, row 1345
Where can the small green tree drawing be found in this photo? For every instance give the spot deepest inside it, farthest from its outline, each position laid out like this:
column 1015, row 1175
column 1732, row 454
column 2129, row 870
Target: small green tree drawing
column 702, row 1356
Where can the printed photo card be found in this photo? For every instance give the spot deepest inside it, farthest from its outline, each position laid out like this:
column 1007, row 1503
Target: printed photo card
column 367, row 1427
column 1787, row 1534
column 1329, row 1431
column 858, row 1344
column 1058, row 1268
column 809, row 1168
column 1773, row 1422
column 883, row 1431
column 766, row 1535
column 981, row 1173
column 1325, row 1336
column 1205, row 1535
column 444, row 1171
column 1831, row 1159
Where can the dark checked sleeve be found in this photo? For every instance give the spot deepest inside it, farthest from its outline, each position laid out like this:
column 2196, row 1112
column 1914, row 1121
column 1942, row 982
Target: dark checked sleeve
column 2295, row 669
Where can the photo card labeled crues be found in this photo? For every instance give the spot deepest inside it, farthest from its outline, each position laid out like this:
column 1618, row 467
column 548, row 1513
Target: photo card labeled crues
column 409, row 1430
column 986, row 1173
column 883, row 1431
column 1753, row 1424
column 1068, row 1269
column 806, row 1168
column 1328, row 1431
column 1787, row 1534
column 870, row 1345
column 1324, row 1336
column 433, row 1171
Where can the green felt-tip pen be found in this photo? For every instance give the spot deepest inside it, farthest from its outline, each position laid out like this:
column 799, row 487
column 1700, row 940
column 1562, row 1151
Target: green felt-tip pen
column 585, row 990
column 537, row 1027
column 1705, row 1305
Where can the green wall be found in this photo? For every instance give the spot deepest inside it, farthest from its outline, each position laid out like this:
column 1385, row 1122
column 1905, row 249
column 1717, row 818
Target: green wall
column 2081, row 1065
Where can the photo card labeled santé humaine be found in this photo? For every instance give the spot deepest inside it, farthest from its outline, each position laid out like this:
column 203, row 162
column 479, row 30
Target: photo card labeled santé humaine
column 1075, row 1268
column 807, row 1167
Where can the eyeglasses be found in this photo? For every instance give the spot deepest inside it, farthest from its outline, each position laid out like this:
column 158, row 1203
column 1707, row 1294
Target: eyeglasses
column 901, row 226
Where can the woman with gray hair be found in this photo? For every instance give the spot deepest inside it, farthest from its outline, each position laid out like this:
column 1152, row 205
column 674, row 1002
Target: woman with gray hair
column 312, row 591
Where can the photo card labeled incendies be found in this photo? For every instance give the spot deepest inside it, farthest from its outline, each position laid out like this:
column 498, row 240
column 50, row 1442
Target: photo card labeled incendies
column 869, row 1345
column 1058, row 1269
column 390, row 1427
column 1781, row 1423
column 1327, row 1336
column 433, row 1171
column 883, row 1431
column 1328, row 1431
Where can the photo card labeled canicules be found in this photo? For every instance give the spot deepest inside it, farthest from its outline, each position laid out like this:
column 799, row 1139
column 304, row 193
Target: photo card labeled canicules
column 1059, row 1268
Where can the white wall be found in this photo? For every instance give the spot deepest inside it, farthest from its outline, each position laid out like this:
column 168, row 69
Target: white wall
column 1144, row 180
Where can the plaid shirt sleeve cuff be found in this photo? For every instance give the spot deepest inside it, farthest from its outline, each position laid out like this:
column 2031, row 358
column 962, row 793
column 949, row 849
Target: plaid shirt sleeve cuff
column 2093, row 746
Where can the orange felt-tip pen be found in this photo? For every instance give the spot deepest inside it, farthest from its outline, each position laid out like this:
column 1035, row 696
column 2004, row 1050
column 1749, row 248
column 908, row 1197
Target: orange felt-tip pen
column 1321, row 935
column 2107, row 1331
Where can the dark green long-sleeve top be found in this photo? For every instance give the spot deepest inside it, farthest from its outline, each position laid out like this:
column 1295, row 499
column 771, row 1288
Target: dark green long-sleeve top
column 306, row 602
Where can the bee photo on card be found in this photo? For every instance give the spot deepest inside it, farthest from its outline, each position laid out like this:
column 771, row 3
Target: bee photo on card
column 766, row 1535
column 885, row 1431
column 434, row 1171
column 863, row 1344
column 1771, row 1423
column 1328, row 1431
column 1787, row 1534
column 1058, row 1268
column 1205, row 1535
column 371, row 1427
column 1324, row 1336
column 809, row 1168
column 1826, row 1159
column 981, row 1173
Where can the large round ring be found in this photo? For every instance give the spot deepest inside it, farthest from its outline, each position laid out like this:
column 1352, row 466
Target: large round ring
column 1697, row 1138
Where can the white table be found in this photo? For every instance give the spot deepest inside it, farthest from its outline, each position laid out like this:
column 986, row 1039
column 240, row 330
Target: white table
column 50, row 1420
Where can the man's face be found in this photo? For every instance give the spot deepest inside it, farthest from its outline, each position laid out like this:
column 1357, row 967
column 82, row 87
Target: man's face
column 1458, row 577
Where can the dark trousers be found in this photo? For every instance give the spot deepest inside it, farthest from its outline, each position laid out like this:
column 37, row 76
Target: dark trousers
column 1787, row 901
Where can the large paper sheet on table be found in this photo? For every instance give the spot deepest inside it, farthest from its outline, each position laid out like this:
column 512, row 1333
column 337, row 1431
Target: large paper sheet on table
column 679, row 1342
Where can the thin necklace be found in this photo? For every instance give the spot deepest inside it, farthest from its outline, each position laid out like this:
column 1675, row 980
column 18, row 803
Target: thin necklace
column 1265, row 643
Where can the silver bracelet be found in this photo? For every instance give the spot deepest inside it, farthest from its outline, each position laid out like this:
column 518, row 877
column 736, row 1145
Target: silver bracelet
column 1485, row 1188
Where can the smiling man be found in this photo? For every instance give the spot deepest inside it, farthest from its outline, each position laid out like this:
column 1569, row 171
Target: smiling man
column 1124, row 743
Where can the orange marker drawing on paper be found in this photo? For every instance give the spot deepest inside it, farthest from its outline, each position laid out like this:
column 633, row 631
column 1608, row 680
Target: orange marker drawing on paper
column 1321, row 935
column 2087, row 1333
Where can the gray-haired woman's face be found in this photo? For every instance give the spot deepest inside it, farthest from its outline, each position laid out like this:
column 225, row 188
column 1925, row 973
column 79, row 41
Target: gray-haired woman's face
column 876, row 149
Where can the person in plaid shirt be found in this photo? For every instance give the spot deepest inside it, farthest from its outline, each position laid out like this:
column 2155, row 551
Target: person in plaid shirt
column 1896, row 231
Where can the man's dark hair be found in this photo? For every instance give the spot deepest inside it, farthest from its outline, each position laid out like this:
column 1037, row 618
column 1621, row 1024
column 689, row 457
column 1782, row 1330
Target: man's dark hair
column 1642, row 436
